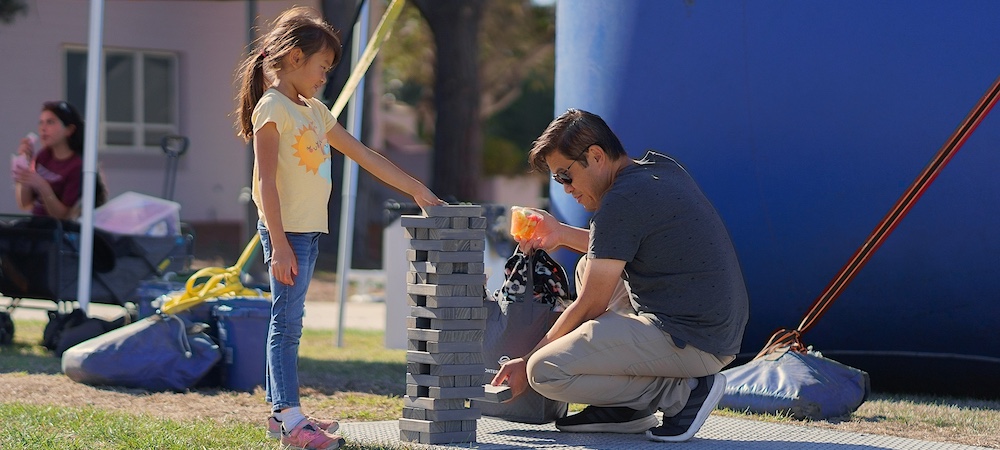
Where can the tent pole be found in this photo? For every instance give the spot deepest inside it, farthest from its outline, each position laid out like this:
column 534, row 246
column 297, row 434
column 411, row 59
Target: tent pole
column 95, row 44
column 349, row 190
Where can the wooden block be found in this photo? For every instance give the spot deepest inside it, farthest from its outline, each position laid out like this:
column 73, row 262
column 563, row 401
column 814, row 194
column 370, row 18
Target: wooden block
column 453, row 211
column 437, row 438
column 447, row 268
column 442, row 370
column 432, row 289
column 416, row 390
column 438, row 301
column 436, row 426
column 439, row 256
column 454, row 233
column 495, row 394
column 444, row 414
column 431, row 380
column 415, row 413
column 465, row 279
column 447, row 347
column 462, row 392
column 469, row 268
column 416, row 255
column 459, row 223
column 449, row 313
column 443, row 347
column 444, row 358
column 448, row 245
column 478, row 223
column 433, row 403
column 410, row 221
column 445, row 324
column 423, row 334
column 444, row 233
column 451, row 279
column 418, row 233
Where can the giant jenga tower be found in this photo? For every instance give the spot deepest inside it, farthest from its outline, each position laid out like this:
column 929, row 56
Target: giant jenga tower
column 444, row 361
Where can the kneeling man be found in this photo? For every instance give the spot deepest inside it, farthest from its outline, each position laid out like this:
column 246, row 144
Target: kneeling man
column 661, row 305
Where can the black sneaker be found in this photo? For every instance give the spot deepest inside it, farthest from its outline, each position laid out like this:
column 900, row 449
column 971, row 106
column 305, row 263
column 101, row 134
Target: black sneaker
column 605, row 419
column 704, row 398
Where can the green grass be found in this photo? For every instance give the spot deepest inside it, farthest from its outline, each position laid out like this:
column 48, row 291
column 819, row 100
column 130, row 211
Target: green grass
column 363, row 381
column 45, row 427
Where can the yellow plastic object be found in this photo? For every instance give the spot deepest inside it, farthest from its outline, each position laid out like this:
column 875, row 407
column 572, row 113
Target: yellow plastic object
column 523, row 222
column 215, row 282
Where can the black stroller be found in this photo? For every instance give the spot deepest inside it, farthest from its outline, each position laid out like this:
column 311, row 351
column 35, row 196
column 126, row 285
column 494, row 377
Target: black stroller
column 39, row 259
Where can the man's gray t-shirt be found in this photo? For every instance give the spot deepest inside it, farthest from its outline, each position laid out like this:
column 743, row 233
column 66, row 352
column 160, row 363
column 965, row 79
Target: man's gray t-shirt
column 680, row 264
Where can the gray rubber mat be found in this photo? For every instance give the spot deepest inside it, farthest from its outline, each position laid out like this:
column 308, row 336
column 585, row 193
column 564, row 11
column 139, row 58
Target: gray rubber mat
column 717, row 433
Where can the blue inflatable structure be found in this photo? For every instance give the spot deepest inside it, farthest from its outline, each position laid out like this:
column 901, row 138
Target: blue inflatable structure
column 804, row 122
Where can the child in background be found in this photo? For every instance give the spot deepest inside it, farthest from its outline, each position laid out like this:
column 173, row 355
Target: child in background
column 292, row 135
column 50, row 182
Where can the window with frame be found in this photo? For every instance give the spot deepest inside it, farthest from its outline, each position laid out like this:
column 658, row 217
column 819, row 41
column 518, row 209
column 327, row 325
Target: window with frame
column 139, row 96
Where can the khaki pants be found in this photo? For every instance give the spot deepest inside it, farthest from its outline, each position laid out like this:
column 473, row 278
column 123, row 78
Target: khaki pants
column 620, row 359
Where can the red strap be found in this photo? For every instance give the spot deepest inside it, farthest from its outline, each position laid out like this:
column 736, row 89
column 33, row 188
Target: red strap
column 792, row 339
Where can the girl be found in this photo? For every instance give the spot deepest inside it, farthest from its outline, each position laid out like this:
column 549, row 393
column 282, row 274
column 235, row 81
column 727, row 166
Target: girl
column 292, row 134
column 52, row 184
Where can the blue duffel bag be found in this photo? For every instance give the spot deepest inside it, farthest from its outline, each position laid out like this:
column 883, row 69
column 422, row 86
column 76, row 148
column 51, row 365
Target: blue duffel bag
column 157, row 353
column 802, row 385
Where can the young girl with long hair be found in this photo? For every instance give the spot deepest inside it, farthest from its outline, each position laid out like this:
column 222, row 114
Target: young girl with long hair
column 51, row 184
column 292, row 135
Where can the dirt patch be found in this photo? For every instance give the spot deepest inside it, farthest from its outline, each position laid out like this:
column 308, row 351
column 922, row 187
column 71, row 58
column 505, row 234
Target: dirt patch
column 57, row 390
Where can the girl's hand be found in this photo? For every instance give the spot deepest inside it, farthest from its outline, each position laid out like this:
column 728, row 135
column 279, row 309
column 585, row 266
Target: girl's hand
column 25, row 148
column 284, row 266
column 427, row 198
column 546, row 235
column 29, row 178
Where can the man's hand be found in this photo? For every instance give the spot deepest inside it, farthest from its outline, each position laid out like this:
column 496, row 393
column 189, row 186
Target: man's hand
column 515, row 374
column 546, row 234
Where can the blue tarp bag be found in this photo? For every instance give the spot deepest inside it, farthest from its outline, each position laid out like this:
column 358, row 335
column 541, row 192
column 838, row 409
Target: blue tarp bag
column 802, row 385
column 158, row 353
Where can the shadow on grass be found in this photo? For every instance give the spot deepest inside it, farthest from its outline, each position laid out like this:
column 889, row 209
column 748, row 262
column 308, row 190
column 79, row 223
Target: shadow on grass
column 375, row 377
column 28, row 358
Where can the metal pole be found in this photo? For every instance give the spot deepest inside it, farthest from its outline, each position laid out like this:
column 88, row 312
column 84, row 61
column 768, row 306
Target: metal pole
column 95, row 42
column 349, row 190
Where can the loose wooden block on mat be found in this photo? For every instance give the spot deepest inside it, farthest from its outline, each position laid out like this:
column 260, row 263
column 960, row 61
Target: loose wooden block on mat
column 495, row 394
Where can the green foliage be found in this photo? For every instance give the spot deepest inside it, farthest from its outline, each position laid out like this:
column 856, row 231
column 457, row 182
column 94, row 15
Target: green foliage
column 511, row 131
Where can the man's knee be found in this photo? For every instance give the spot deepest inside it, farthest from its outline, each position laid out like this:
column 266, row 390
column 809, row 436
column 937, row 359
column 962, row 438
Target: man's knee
column 542, row 372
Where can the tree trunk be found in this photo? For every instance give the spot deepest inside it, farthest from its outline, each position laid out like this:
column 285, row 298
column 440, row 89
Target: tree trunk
column 458, row 139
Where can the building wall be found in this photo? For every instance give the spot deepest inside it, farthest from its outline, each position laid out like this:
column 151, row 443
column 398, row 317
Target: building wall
column 209, row 38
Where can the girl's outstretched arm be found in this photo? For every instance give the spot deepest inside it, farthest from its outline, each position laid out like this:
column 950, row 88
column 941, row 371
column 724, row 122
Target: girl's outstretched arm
column 381, row 167
column 284, row 267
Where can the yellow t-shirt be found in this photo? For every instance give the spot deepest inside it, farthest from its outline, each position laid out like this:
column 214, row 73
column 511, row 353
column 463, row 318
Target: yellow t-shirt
column 303, row 175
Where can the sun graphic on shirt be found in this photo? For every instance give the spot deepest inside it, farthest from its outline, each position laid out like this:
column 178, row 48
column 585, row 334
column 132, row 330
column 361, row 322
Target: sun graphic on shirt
column 309, row 148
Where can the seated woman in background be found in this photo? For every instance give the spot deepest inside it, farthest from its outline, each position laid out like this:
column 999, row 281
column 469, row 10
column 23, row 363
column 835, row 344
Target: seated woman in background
column 52, row 182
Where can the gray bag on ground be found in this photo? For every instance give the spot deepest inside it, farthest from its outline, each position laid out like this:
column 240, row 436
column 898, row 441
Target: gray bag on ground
column 518, row 318
column 158, row 353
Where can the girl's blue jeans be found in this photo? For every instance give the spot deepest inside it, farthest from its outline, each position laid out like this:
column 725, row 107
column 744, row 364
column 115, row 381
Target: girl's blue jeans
column 285, row 330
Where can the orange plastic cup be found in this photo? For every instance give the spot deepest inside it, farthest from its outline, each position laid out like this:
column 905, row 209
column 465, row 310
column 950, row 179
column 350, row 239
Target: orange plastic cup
column 523, row 222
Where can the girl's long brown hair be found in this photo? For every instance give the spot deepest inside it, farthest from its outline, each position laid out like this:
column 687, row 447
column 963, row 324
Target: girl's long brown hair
column 299, row 27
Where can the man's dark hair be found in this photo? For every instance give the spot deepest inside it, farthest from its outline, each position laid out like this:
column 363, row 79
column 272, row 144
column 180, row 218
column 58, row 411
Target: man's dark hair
column 571, row 134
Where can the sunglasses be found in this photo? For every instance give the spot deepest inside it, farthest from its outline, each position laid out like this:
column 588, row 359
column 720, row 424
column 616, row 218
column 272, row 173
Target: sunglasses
column 561, row 176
